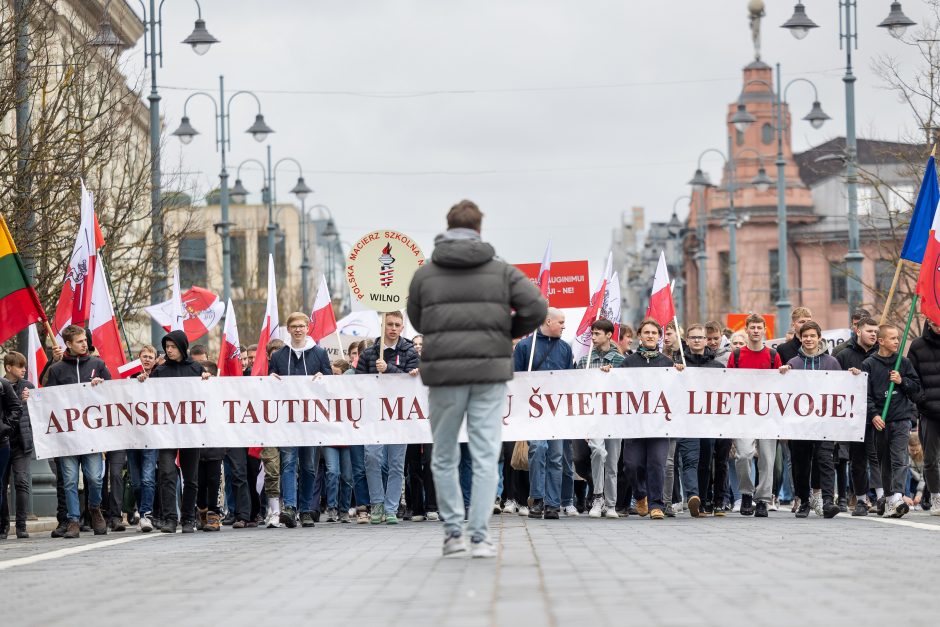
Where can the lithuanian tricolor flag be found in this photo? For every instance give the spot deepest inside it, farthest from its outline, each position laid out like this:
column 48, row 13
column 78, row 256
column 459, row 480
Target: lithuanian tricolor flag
column 19, row 304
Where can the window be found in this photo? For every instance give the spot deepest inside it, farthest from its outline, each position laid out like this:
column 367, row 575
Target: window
column 724, row 288
column 884, row 275
column 192, row 261
column 773, row 264
column 767, row 133
column 838, row 291
column 868, row 199
column 239, row 253
column 280, row 261
column 901, row 198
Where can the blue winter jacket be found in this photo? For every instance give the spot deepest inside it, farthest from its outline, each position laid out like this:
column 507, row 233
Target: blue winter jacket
column 551, row 353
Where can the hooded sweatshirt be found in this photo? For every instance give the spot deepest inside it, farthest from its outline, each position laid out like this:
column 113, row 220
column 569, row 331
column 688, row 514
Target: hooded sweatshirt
column 821, row 360
column 469, row 305
column 902, row 396
column 186, row 367
column 289, row 361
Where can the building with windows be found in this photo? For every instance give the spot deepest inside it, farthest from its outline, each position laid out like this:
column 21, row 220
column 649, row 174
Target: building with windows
column 817, row 218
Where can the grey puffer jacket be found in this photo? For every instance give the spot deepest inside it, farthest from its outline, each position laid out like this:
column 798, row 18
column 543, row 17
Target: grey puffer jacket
column 469, row 305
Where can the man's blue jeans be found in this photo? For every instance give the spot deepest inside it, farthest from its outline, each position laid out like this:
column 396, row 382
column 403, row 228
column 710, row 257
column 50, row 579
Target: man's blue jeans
column 390, row 493
column 289, row 475
column 545, row 475
column 92, row 466
column 308, row 458
column 142, row 465
column 688, row 451
column 357, row 456
column 338, row 477
column 483, row 405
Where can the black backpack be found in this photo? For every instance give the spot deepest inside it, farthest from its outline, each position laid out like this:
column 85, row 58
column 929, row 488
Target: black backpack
column 737, row 357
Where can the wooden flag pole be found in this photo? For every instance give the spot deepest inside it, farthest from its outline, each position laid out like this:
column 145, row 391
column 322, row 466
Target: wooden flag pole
column 894, row 285
column 897, row 362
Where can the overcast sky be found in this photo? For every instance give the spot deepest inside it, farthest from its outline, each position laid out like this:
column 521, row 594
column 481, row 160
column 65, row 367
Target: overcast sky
column 554, row 116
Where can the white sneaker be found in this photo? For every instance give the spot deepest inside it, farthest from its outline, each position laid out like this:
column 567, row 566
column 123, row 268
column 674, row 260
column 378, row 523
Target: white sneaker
column 891, row 507
column 815, row 504
column 434, row 517
column 523, row 510
column 571, row 510
column 737, row 506
column 935, row 507
column 510, row 507
column 417, row 518
column 273, row 520
column 483, row 548
column 144, row 525
column 611, row 512
column 352, row 512
column 454, row 545
column 597, row 507
column 775, row 504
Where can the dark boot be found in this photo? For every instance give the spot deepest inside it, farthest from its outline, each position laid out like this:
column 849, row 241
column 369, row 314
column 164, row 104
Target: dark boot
column 98, row 523
column 72, row 529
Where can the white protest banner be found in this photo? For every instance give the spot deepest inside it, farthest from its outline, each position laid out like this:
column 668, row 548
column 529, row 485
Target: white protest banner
column 393, row 409
column 833, row 338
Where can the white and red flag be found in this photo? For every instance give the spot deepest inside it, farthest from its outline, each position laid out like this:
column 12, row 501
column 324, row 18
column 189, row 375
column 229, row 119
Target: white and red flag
column 130, row 369
column 269, row 325
column 105, row 332
column 75, row 298
column 661, row 307
column 36, row 359
column 582, row 341
column 322, row 318
column 200, row 310
column 545, row 271
column 230, row 363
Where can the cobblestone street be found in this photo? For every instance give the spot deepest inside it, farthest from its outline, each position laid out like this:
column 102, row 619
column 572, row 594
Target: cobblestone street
column 574, row 571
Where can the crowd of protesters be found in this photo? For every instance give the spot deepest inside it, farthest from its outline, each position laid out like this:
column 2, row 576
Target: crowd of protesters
column 896, row 468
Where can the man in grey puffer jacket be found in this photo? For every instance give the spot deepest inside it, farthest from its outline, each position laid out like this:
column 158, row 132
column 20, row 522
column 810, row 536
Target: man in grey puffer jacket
column 469, row 305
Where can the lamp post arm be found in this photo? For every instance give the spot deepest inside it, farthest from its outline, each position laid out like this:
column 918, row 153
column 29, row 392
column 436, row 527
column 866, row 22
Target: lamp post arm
column 274, row 171
column 228, row 118
column 215, row 108
column 238, row 171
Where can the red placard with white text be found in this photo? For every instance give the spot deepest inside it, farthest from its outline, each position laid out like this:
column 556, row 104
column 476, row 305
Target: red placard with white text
column 568, row 286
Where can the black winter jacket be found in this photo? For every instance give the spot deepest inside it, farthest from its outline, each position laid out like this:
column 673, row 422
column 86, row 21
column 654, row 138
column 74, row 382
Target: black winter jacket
column 400, row 358
column 183, row 368
column 637, row 360
column 23, row 439
column 789, row 349
column 705, row 360
column 313, row 359
column 924, row 354
column 73, row 369
column 851, row 355
column 902, row 397
column 469, row 305
column 10, row 411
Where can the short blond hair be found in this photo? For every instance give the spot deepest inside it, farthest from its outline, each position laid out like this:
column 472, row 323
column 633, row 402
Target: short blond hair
column 800, row 312
column 298, row 315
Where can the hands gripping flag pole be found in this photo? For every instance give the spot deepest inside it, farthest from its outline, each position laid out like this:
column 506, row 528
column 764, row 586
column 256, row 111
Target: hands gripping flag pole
column 545, row 276
column 918, row 231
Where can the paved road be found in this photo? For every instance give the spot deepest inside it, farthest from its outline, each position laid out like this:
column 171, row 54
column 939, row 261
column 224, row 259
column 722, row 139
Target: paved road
column 732, row 571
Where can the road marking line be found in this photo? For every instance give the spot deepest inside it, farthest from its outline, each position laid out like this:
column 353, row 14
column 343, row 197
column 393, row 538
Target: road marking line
column 901, row 522
column 73, row 550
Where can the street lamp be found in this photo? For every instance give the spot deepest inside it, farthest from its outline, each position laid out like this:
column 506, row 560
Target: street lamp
column 238, row 194
column 185, row 132
column 201, row 41
column 700, row 182
column 816, row 117
column 799, row 24
column 896, row 23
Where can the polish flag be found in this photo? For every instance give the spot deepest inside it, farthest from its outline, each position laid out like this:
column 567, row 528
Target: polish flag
column 130, row 369
column 582, row 341
column 75, row 298
column 105, row 333
column 661, row 307
column 322, row 319
column 268, row 326
column 202, row 311
column 230, row 364
column 36, row 359
column 545, row 270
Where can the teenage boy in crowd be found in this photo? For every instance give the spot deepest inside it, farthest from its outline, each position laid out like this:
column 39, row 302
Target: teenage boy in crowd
column 605, row 453
column 863, row 456
column 177, row 364
column 791, row 348
column 809, row 454
column 545, row 456
column 302, row 357
column 893, row 431
column 79, row 366
column 21, row 449
column 754, row 355
column 398, row 357
column 925, row 357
